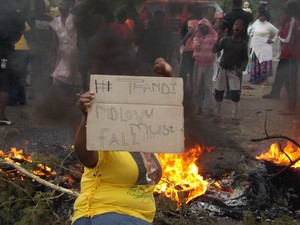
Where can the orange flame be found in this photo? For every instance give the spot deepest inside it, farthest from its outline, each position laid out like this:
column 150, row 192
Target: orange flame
column 15, row 154
column 180, row 179
column 276, row 156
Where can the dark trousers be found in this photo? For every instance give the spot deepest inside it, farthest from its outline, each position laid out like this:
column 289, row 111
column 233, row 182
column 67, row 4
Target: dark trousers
column 187, row 66
column 17, row 94
column 286, row 74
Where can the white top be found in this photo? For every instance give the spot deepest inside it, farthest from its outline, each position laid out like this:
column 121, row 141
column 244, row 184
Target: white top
column 262, row 31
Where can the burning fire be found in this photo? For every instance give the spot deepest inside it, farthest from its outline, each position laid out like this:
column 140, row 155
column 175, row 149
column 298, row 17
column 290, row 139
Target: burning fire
column 180, row 179
column 18, row 156
column 276, row 155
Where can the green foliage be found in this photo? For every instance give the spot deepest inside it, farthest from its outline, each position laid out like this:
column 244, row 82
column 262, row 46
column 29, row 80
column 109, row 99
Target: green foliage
column 285, row 219
column 249, row 219
column 23, row 201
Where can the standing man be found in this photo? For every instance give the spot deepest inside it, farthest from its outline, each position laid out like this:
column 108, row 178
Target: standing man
column 237, row 12
column 12, row 25
column 39, row 39
column 229, row 19
column 287, row 69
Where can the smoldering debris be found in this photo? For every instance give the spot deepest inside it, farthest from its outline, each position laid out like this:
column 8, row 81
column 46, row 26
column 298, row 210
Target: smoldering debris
column 254, row 190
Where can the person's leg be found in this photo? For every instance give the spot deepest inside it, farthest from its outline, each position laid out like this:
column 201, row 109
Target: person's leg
column 117, row 219
column 190, row 64
column 208, row 88
column 235, row 87
column 13, row 91
column 4, row 93
column 279, row 81
column 5, row 85
column 83, row 221
column 291, row 85
column 19, row 73
column 184, row 67
column 197, row 89
column 22, row 79
column 187, row 65
column 221, row 82
column 254, row 68
column 3, row 102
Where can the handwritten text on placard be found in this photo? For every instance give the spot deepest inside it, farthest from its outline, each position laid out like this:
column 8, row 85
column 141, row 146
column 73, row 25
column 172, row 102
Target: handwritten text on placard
column 136, row 114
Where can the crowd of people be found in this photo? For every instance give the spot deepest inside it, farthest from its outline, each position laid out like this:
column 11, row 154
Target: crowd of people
column 45, row 48
column 60, row 44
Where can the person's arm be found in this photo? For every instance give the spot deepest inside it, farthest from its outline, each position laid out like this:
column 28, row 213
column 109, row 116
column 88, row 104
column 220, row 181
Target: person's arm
column 87, row 158
column 217, row 24
column 219, row 45
column 162, row 68
column 184, row 40
column 273, row 34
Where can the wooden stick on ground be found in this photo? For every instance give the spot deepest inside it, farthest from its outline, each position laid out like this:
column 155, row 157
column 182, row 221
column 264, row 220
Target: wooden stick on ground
column 39, row 180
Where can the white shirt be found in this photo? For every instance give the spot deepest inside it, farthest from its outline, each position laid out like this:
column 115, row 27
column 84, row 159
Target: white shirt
column 262, row 32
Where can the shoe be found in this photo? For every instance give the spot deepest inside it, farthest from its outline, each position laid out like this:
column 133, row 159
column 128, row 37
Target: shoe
column 217, row 119
column 4, row 122
column 235, row 121
column 271, row 96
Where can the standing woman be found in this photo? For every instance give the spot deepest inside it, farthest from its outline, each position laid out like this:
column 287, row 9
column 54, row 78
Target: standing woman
column 64, row 58
column 264, row 34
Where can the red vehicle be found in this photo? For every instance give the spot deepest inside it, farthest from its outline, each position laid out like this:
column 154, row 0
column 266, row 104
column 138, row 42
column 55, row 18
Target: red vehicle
column 183, row 8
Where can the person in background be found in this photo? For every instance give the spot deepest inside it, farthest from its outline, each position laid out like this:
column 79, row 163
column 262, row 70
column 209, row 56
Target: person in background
column 233, row 62
column 39, row 39
column 154, row 42
column 228, row 21
column 17, row 95
column 188, row 32
column 263, row 5
column 12, row 24
column 210, row 15
column 121, row 27
column 246, row 7
column 237, row 12
column 216, row 24
column 64, row 56
column 132, row 17
column 174, row 25
column 203, row 72
column 262, row 40
column 287, row 68
column 51, row 8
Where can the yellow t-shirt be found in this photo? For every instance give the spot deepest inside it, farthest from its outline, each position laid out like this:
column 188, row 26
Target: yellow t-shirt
column 22, row 43
column 122, row 182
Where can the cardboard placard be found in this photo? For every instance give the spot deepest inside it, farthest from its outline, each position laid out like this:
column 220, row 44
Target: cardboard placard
column 138, row 114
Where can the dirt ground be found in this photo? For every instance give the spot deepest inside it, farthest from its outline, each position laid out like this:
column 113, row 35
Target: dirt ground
column 257, row 116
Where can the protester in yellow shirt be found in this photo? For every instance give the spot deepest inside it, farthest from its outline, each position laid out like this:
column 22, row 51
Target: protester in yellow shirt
column 116, row 187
